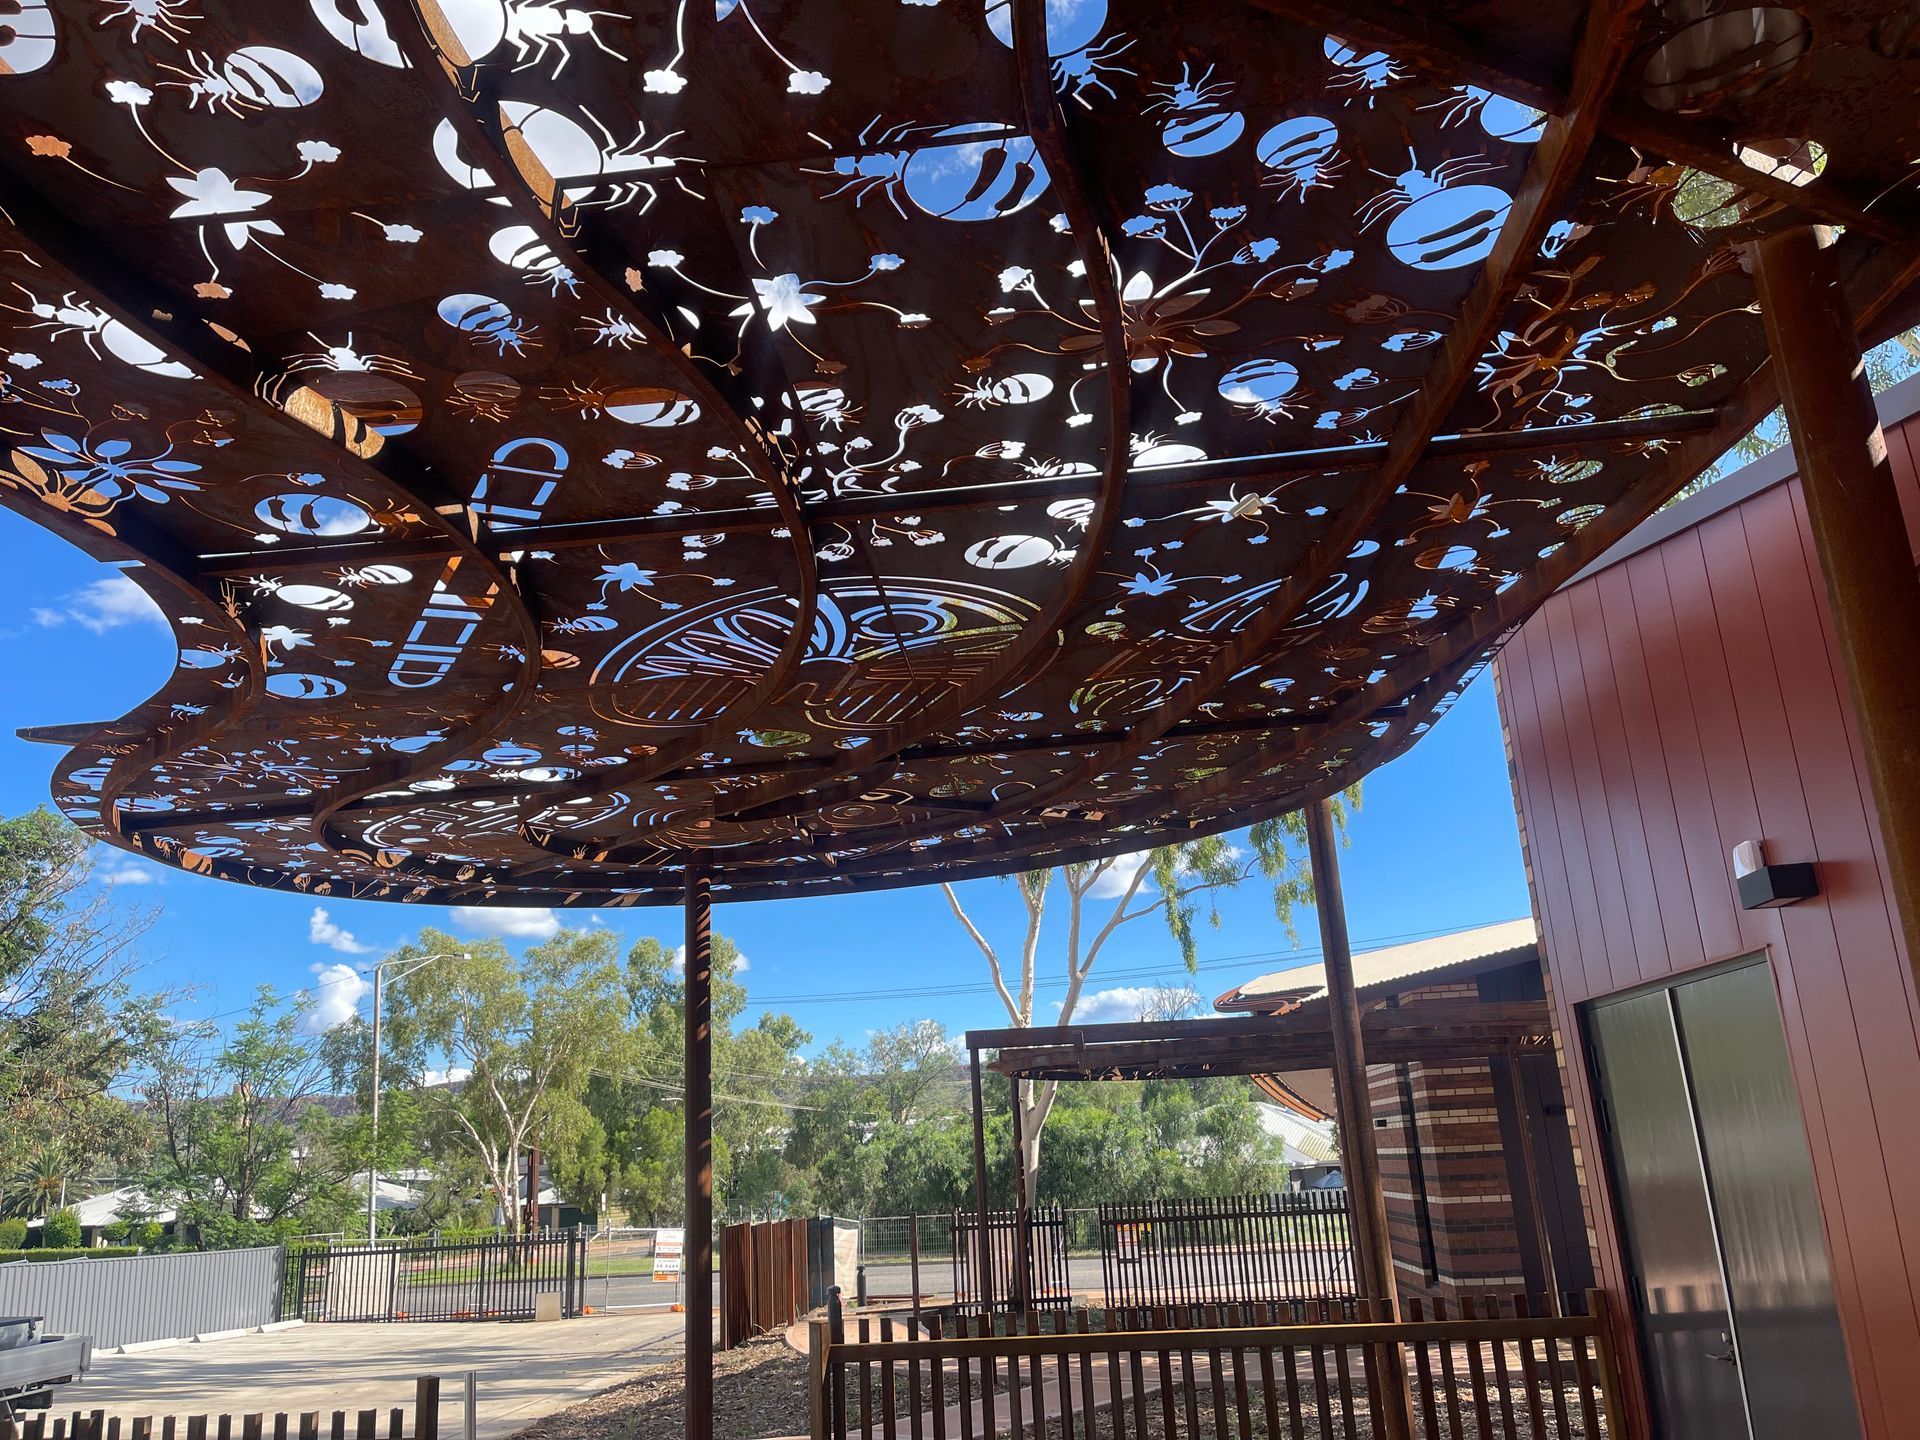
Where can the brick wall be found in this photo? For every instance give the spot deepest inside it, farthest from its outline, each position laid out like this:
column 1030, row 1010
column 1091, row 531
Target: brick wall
column 1438, row 1131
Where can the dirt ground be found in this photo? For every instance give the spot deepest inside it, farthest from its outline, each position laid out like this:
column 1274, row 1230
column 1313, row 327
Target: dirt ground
column 759, row 1390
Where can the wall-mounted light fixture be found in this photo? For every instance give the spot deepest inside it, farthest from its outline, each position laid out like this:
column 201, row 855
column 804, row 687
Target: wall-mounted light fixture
column 1765, row 887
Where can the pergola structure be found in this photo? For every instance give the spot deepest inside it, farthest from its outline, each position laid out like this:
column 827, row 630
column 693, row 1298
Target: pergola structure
column 1342, row 1038
column 603, row 454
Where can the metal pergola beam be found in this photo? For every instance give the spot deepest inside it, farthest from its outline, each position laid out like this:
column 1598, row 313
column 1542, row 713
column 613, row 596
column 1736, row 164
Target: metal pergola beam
column 1463, row 57
column 1256, row 471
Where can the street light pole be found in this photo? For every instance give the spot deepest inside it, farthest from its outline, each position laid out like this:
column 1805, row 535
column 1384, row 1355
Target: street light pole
column 373, row 1147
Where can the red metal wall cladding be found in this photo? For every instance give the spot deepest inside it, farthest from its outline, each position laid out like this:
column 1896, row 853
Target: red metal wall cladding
column 1657, row 713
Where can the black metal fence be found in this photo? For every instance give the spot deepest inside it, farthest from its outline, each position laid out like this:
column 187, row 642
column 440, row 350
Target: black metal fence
column 1215, row 1251
column 1045, row 1278
column 438, row 1279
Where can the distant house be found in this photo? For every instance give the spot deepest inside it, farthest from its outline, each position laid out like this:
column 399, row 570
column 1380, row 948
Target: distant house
column 1307, row 1143
column 97, row 1212
column 1463, row 1218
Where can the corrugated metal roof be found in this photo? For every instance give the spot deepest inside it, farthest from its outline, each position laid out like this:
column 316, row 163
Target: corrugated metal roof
column 1305, row 1142
column 1375, row 967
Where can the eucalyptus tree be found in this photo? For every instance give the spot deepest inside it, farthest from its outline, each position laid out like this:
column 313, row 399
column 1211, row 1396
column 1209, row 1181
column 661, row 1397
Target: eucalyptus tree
column 1101, row 896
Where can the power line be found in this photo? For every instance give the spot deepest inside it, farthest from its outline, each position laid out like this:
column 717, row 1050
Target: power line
column 929, row 992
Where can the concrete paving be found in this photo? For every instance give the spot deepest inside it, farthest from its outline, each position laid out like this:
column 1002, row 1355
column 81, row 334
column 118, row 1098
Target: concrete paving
column 526, row 1370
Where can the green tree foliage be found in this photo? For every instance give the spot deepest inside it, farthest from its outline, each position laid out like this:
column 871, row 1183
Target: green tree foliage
column 244, row 1150
column 71, row 1025
column 61, row 1231
column 1184, row 878
column 13, row 1233
column 525, row 1036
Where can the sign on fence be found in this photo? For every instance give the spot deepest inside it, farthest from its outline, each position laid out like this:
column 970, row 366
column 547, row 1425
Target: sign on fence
column 669, row 1248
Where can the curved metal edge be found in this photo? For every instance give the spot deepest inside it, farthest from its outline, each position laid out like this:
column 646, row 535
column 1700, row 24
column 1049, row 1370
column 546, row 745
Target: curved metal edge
column 487, row 148
column 127, row 764
column 181, row 335
column 1047, row 128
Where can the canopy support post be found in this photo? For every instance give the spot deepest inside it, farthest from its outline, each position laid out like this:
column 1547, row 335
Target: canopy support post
column 1359, row 1155
column 983, row 1252
column 1022, row 1277
column 1858, row 529
column 699, row 1154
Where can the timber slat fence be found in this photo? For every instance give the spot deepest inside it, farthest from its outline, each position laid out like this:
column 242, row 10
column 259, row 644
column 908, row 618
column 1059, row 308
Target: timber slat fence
column 438, row 1279
column 1216, row 1250
column 306, row 1425
column 765, row 1276
column 1255, row 1371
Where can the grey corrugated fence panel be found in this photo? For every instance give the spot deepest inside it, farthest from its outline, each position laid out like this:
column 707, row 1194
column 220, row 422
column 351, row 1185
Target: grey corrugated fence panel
column 147, row 1297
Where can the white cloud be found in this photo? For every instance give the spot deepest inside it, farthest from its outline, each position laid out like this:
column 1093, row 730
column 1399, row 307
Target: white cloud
column 516, row 922
column 1115, row 879
column 1128, row 1002
column 677, row 964
column 323, row 931
column 450, row 1076
column 104, row 604
column 334, row 998
column 129, row 872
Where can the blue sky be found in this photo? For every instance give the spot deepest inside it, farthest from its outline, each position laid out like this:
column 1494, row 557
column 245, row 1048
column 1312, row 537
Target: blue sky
column 76, row 646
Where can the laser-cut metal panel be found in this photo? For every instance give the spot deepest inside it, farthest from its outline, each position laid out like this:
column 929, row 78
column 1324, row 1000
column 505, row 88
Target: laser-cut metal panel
column 727, row 288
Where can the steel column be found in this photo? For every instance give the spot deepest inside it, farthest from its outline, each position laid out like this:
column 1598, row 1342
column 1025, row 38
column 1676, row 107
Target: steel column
column 1359, row 1156
column 1022, row 1277
column 1858, row 531
column 699, row 1159
column 983, row 1263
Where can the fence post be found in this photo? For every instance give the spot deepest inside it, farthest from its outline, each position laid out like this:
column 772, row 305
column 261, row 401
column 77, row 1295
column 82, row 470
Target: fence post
column 1607, row 1359
column 426, row 1408
column 837, row 1335
column 817, row 1377
column 572, row 1305
column 913, row 1263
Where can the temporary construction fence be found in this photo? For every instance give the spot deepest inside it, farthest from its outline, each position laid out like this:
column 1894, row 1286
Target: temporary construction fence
column 1212, row 1250
column 439, row 1279
column 307, row 1425
column 636, row 1267
column 1039, row 1282
column 135, row 1298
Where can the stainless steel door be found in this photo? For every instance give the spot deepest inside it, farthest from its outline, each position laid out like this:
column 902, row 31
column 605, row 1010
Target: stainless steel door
column 1760, row 1175
column 1716, row 1191
column 1686, row 1324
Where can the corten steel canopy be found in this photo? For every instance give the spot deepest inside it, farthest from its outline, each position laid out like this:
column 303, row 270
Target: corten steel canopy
column 846, row 443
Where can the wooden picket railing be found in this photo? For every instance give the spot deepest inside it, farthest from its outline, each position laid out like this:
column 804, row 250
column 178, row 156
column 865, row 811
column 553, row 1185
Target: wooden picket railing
column 307, row 1425
column 1297, row 1369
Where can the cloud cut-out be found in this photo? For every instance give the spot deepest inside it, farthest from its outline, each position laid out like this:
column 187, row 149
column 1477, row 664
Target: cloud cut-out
column 102, row 605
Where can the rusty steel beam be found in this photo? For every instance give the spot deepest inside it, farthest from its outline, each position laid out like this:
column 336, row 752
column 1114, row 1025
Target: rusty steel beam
column 1076, row 189
column 242, row 807
column 1447, row 53
column 41, row 233
column 1255, row 471
column 1876, row 284
column 480, row 126
column 1556, row 167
